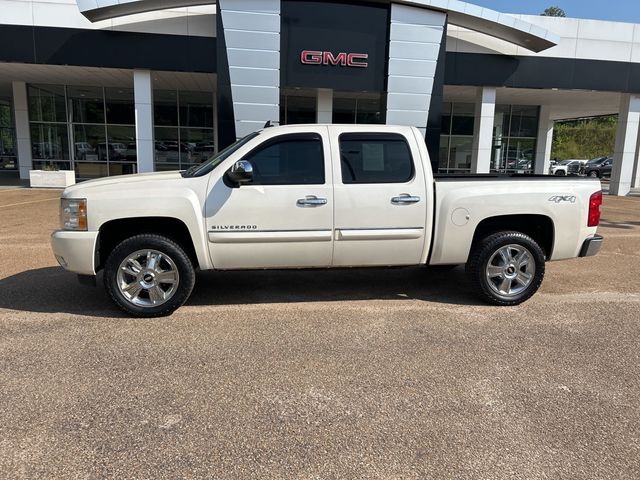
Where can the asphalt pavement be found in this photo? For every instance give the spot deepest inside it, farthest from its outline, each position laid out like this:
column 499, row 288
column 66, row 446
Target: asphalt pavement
column 381, row 374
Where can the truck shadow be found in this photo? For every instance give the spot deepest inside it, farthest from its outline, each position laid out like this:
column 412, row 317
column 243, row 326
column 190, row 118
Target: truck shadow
column 52, row 290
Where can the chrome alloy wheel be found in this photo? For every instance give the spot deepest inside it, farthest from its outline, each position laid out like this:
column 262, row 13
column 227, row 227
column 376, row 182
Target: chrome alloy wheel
column 510, row 270
column 148, row 278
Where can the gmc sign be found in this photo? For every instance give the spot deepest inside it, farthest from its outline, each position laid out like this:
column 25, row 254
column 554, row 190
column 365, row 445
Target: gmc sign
column 315, row 57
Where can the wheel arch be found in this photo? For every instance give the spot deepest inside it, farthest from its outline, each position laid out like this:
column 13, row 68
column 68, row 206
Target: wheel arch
column 113, row 232
column 539, row 227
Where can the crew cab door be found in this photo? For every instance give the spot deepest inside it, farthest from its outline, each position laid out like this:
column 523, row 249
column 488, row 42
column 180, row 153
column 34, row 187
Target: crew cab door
column 380, row 197
column 284, row 216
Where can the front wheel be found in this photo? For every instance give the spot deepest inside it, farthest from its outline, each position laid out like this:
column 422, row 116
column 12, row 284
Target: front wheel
column 560, row 173
column 593, row 174
column 506, row 268
column 149, row 276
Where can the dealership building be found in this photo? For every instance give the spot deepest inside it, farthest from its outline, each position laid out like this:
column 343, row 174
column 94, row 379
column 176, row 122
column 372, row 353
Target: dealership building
column 109, row 87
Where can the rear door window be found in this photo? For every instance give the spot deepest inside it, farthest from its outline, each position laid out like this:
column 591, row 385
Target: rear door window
column 375, row 158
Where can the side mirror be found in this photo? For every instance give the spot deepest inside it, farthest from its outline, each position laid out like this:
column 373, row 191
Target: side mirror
column 241, row 172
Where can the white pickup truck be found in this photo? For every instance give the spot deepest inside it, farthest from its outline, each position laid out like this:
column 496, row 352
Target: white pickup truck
column 321, row 196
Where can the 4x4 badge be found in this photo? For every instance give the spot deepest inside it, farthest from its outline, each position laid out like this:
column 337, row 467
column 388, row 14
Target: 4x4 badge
column 563, row 198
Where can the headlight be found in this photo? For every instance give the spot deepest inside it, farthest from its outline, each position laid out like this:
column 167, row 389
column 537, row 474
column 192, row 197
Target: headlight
column 73, row 214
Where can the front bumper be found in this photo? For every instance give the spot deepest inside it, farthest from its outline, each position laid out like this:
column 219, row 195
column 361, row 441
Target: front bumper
column 75, row 251
column 591, row 246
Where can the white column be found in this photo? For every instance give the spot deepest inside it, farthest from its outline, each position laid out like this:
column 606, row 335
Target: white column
column 414, row 48
column 545, row 141
column 324, row 105
column 483, row 130
column 252, row 39
column 145, row 140
column 23, row 134
column 635, row 178
column 626, row 143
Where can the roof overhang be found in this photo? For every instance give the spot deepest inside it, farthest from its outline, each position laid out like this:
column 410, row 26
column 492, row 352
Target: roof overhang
column 484, row 20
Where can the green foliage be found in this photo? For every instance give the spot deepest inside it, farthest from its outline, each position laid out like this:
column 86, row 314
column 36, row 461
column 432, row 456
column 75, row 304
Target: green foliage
column 51, row 167
column 584, row 139
column 554, row 12
column 5, row 116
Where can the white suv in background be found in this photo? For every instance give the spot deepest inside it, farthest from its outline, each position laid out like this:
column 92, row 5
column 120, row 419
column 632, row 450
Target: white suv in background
column 567, row 167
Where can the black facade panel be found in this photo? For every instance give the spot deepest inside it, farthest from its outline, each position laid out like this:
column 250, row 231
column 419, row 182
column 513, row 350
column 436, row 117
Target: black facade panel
column 480, row 69
column 16, row 44
column 476, row 69
column 434, row 122
column 106, row 48
column 616, row 76
column 557, row 73
column 329, row 26
column 226, row 119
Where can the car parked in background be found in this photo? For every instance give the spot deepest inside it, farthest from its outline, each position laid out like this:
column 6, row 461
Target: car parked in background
column 598, row 167
column 567, row 167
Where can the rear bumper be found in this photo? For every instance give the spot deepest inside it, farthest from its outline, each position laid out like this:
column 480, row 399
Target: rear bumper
column 75, row 251
column 591, row 246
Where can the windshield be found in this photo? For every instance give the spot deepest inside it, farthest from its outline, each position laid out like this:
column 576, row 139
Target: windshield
column 597, row 161
column 212, row 162
column 565, row 162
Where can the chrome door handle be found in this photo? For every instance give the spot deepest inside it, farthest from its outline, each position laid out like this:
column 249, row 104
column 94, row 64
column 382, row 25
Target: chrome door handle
column 405, row 199
column 311, row 201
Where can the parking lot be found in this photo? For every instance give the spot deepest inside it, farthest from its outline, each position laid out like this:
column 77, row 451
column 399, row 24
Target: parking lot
column 395, row 373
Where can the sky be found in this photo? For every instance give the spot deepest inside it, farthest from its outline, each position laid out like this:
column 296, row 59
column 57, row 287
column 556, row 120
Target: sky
column 618, row 10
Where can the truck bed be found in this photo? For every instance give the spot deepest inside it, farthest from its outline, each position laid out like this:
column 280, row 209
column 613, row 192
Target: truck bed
column 465, row 177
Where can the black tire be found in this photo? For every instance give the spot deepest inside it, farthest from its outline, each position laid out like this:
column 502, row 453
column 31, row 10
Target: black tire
column 486, row 249
column 594, row 174
column 560, row 173
column 183, row 284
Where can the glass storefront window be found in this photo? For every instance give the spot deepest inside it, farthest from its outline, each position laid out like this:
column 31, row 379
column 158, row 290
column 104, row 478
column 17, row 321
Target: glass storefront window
column 166, row 148
column 460, row 150
column 462, row 119
column 524, row 121
column 8, row 158
column 47, row 103
column 165, row 107
column 297, row 106
column 50, row 141
column 196, row 109
column 120, row 106
column 456, row 139
column 93, row 133
column 199, row 143
column 87, row 104
column 122, row 143
column 514, row 138
column 184, row 132
column 362, row 107
column 89, row 143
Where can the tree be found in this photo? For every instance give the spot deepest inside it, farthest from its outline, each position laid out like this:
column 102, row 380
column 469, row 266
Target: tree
column 584, row 138
column 554, row 12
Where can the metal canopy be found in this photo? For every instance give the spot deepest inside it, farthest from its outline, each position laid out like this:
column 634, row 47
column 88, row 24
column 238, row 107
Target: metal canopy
column 484, row 20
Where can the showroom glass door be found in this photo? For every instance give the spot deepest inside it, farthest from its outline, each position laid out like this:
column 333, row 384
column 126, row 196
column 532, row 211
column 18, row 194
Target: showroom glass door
column 358, row 107
column 298, row 105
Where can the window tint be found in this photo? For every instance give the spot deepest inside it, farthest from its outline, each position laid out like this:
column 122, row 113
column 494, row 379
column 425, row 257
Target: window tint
column 375, row 158
column 295, row 159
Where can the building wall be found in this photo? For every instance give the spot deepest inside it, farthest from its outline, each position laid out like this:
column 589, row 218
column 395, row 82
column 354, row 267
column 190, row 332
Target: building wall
column 579, row 39
column 197, row 21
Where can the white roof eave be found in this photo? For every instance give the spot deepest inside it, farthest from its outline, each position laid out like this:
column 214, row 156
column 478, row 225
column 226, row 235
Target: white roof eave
column 500, row 25
column 490, row 22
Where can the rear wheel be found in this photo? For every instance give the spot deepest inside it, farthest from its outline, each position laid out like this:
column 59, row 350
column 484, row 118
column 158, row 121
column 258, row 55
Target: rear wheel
column 149, row 276
column 506, row 268
column 594, row 174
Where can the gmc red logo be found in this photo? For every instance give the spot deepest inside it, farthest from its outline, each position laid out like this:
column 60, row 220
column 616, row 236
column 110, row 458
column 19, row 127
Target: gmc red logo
column 314, row 57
